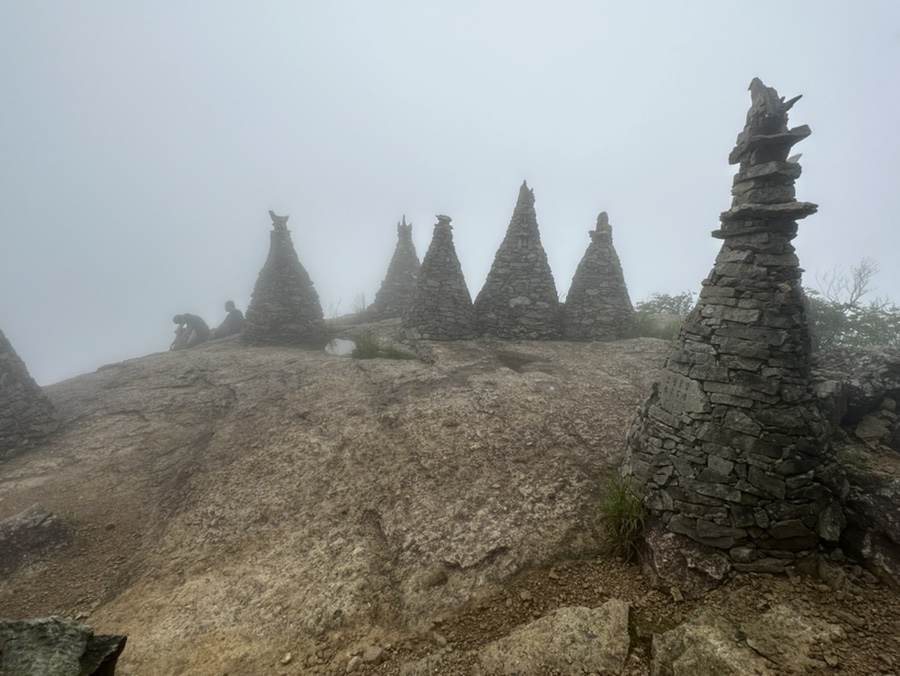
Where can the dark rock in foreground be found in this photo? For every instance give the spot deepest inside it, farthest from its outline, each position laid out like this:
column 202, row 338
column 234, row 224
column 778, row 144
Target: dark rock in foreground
column 53, row 646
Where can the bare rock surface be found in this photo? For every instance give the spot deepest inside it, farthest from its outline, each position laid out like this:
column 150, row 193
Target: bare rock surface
column 241, row 499
column 566, row 641
column 706, row 645
column 795, row 642
column 279, row 511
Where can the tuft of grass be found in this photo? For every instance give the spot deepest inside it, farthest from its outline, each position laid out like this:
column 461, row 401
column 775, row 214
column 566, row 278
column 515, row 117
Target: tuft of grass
column 368, row 347
column 623, row 515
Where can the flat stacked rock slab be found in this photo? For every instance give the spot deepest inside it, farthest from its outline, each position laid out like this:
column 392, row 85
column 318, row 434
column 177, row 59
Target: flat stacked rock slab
column 284, row 308
column 519, row 300
column 730, row 450
column 598, row 306
column 441, row 306
column 26, row 416
column 400, row 281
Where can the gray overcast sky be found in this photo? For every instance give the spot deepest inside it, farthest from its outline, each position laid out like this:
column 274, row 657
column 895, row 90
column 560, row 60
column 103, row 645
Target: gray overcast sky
column 143, row 144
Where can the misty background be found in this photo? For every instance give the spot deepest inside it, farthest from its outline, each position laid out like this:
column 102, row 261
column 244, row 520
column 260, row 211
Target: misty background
column 144, row 143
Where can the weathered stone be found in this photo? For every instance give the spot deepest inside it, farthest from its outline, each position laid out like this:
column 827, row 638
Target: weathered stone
column 567, row 641
column 400, row 281
column 790, row 638
column 441, row 307
column 679, row 394
column 519, row 298
column 671, row 560
column 764, row 565
column 749, row 399
column 26, row 415
column 284, row 308
column 31, row 536
column 598, row 306
column 706, row 645
column 53, row 646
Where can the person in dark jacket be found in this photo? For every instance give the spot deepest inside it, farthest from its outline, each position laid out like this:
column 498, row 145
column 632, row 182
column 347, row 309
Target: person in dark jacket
column 191, row 331
column 234, row 322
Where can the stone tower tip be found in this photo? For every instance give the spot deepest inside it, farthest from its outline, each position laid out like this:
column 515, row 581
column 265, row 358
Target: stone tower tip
column 278, row 222
column 443, row 220
column 526, row 194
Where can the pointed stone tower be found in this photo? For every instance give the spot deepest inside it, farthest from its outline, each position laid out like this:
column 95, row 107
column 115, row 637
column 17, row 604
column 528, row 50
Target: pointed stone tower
column 441, row 307
column 519, row 299
column 729, row 448
column 598, row 306
column 26, row 415
column 400, row 282
column 284, row 308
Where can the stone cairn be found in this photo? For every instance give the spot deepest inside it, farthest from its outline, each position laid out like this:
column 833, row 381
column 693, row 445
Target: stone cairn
column 518, row 300
column 400, row 282
column 598, row 306
column 284, row 308
column 441, row 307
column 730, row 447
column 26, row 415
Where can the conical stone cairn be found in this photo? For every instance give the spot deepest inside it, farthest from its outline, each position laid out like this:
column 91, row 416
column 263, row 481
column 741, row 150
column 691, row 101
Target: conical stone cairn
column 26, row 415
column 518, row 300
column 284, row 308
column 441, row 307
column 400, row 281
column 729, row 449
column 598, row 306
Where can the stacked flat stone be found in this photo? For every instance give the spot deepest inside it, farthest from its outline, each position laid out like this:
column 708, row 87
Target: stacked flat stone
column 284, row 308
column 400, row 281
column 598, row 306
column 26, row 415
column 730, row 447
column 441, row 307
column 518, row 300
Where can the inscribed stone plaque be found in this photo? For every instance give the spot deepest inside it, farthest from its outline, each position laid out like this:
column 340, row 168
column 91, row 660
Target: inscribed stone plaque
column 680, row 394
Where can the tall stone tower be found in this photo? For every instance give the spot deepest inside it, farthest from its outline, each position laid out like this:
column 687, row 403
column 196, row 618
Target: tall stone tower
column 729, row 448
column 441, row 307
column 519, row 299
column 26, row 415
column 598, row 306
column 284, row 308
column 400, row 282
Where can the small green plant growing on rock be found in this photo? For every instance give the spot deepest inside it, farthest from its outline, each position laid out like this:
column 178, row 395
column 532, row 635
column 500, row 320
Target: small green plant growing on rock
column 623, row 515
column 368, row 347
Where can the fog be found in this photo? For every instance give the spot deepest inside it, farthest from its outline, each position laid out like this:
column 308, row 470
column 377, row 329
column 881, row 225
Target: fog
column 144, row 143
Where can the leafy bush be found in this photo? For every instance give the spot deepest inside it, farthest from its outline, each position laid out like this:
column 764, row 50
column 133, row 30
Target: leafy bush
column 660, row 314
column 623, row 515
column 368, row 347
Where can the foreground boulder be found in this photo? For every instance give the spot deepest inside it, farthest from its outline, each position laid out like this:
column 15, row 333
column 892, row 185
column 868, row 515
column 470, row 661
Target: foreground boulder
column 567, row 641
column 706, row 645
column 782, row 640
column 53, row 646
column 675, row 563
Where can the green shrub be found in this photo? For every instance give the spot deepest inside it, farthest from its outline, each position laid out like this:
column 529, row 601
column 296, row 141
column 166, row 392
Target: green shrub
column 661, row 314
column 655, row 326
column 368, row 347
column 623, row 515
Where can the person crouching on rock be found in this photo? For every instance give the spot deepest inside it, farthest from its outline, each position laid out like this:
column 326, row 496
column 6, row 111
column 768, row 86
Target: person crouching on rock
column 234, row 322
column 191, row 331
